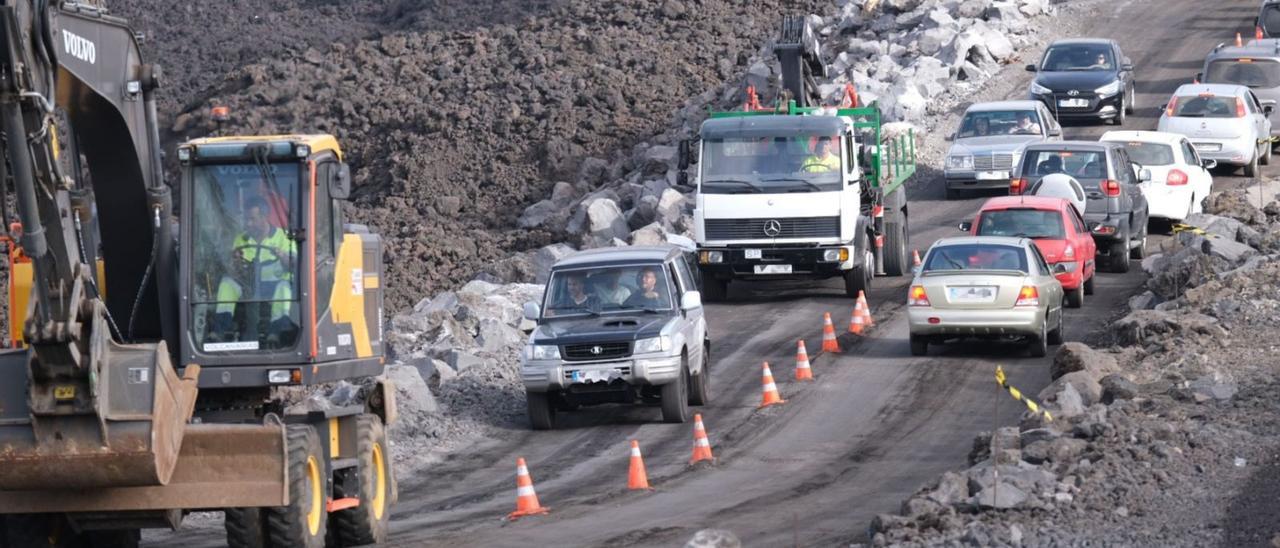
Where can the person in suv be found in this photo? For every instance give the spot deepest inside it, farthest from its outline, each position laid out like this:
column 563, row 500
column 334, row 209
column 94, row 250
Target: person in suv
column 587, row 350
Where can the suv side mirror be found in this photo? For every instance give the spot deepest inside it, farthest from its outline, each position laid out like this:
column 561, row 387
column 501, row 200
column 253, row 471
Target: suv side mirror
column 1144, row 175
column 966, row 226
column 1208, row 163
column 690, row 300
column 1059, row 268
column 951, row 137
column 1055, row 132
column 1031, row 68
column 532, row 311
column 682, row 157
column 340, row 184
column 1127, row 66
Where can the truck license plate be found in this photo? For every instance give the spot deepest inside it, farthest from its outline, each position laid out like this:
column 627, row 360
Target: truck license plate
column 751, row 253
column 773, row 269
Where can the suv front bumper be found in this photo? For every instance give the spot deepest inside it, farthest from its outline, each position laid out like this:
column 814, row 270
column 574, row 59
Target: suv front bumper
column 646, row 370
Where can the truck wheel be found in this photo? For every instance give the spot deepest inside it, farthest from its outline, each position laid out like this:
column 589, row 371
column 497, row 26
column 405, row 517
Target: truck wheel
column 245, row 528
column 541, row 415
column 367, row 523
column 855, row 280
column 303, row 522
column 919, row 345
column 714, row 289
column 675, row 396
column 896, row 261
column 700, row 384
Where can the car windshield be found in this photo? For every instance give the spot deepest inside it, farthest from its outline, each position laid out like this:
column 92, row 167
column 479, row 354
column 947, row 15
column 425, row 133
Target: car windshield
column 1078, row 57
column 970, row 257
column 999, row 122
column 1025, row 223
column 1270, row 20
column 1255, row 73
column 1078, row 164
column 1150, row 154
column 1205, row 105
column 608, row 289
column 808, row 163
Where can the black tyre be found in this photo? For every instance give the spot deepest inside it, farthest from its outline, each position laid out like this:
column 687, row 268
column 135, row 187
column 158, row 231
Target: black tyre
column 897, row 260
column 1038, row 345
column 858, row 278
column 919, row 345
column 1129, row 105
column 675, row 396
column 700, row 384
column 1088, row 284
column 1251, row 168
column 542, row 416
column 1075, row 297
column 1055, row 336
column 1120, row 116
column 1266, row 154
column 367, row 523
column 246, row 528
column 1120, row 256
column 303, row 523
column 714, row 289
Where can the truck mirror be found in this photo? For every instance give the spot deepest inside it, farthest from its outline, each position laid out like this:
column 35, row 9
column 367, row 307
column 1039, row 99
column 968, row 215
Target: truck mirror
column 340, row 184
column 683, row 157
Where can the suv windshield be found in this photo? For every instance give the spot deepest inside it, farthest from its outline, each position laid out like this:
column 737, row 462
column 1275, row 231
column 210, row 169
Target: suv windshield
column 999, row 122
column 950, row 258
column 1149, row 154
column 608, row 289
column 244, row 263
column 1078, row 57
column 771, row 164
column 1205, row 105
column 1026, row 223
column 1255, row 73
column 1078, row 164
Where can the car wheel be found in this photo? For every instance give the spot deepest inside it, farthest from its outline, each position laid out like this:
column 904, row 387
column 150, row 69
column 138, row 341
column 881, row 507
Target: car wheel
column 1251, row 168
column 919, row 345
column 1139, row 253
column 1055, row 336
column 1038, row 346
column 1266, row 154
column 700, row 384
column 1075, row 297
column 1129, row 108
column 675, row 396
column 1088, row 284
column 714, row 289
column 1120, row 114
column 542, row 416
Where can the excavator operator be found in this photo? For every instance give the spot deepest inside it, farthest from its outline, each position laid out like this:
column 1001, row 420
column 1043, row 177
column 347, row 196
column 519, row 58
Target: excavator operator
column 262, row 258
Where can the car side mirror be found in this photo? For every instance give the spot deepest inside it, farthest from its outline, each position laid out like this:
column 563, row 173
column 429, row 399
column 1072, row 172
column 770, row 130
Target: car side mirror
column 950, row 137
column 532, row 311
column 1208, row 163
column 1060, row 268
column 1055, row 132
column 1127, row 67
column 340, row 184
column 690, row 300
column 966, row 226
column 1031, row 68
column 1144, row 175
column 1268, row 109
column 683, row 155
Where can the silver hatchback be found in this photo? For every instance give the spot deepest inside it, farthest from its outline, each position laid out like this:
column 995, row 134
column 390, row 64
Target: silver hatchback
column 1225, row 122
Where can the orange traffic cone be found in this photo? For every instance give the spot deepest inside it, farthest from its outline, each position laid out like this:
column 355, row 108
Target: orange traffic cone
column 866, row 310
column 915, row 257
column 636, row 478
column 701, row 446
column 829, row 342
column 1238, row 42
column 803, row 371
column 857, row 321
column 526, row 498
column 771, row 396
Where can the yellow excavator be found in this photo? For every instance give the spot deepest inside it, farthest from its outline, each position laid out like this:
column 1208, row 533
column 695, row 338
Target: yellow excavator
column 151, row 350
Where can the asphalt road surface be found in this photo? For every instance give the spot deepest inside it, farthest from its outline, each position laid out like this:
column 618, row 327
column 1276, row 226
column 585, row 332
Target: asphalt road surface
column 875, row 425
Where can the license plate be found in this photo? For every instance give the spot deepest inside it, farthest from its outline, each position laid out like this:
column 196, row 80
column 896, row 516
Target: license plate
column 596, row 375
column 972, row 294
column 992, row 175
column 1210, row 147
column 773, row 269
column 1073, row 103
column 751, row 253
column 66, row 392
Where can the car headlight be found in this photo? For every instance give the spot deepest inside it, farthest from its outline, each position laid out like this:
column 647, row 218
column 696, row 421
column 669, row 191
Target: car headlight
column 1038, row 89
column 1109, row 89
column 542, row 352
column 960, row 162
column 833, row 255
column 654, row 344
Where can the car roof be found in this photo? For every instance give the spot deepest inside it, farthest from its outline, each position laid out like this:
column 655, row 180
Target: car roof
column 1267, row 47
column 1163, row 137
column 1072, row 145
column 1082, row 42
column 1002, row 105
column 1050, row 203
column 629, row 254
column 1216, row 89
column 993, row 240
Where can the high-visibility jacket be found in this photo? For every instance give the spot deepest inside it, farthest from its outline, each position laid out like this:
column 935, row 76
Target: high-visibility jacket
column 278, row 246
column 817, row 164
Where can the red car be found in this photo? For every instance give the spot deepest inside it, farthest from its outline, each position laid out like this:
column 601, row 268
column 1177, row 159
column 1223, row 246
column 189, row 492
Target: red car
column 1057, row 229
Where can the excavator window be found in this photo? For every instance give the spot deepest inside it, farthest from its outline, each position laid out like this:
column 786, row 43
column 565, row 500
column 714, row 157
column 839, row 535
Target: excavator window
column 244, row 259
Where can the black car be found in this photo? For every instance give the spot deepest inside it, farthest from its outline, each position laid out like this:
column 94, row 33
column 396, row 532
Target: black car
column 1085, row 78
column 1116, row 211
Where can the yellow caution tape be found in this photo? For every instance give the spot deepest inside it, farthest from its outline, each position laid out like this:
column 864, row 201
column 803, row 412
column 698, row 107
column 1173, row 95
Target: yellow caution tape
column 1017, row 395
column 1183, row 227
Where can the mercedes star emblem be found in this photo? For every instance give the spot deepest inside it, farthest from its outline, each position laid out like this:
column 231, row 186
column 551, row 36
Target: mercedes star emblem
column 1073, row 92
column 596, row 350
column 772, row 228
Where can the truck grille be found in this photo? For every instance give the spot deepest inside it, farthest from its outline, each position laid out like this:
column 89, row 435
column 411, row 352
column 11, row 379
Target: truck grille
column 993, row 162
column 754, row 229
column 583, row 352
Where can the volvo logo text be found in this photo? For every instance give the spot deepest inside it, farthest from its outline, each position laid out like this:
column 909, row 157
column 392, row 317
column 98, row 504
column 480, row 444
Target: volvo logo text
column 772, row 228
column 596, row 350
column 79, row 47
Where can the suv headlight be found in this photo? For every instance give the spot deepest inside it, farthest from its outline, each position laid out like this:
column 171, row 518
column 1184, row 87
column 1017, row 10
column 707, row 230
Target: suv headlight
column 542, row 352
column 1109, row 89
column 959, row 161
column 1038, row 89
column 655, row 344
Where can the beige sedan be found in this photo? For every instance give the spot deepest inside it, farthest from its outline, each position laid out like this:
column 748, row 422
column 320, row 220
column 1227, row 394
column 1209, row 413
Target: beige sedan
column 985, row 286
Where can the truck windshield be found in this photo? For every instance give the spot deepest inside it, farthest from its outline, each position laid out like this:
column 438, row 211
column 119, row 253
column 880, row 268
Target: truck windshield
column 244, row 263
column 608, row 289
column 810, row 163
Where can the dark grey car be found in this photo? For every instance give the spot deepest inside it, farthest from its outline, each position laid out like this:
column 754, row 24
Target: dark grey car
column 1116, row 211
column 1255, row 65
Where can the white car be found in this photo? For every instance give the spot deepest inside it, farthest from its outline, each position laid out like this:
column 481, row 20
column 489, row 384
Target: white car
column 1180, row 178
column 1224, row 122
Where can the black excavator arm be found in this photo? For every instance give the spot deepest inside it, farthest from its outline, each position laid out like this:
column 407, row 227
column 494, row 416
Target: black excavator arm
column 800, row 55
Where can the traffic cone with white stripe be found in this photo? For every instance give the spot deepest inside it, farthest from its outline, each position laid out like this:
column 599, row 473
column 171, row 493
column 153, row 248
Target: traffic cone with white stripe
column 526, row 498
column 829, row 342
column 803, row 371
column 771, row 395
column 857, row 322
column 701, row 446
column 915, row 257
column 636, row 477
